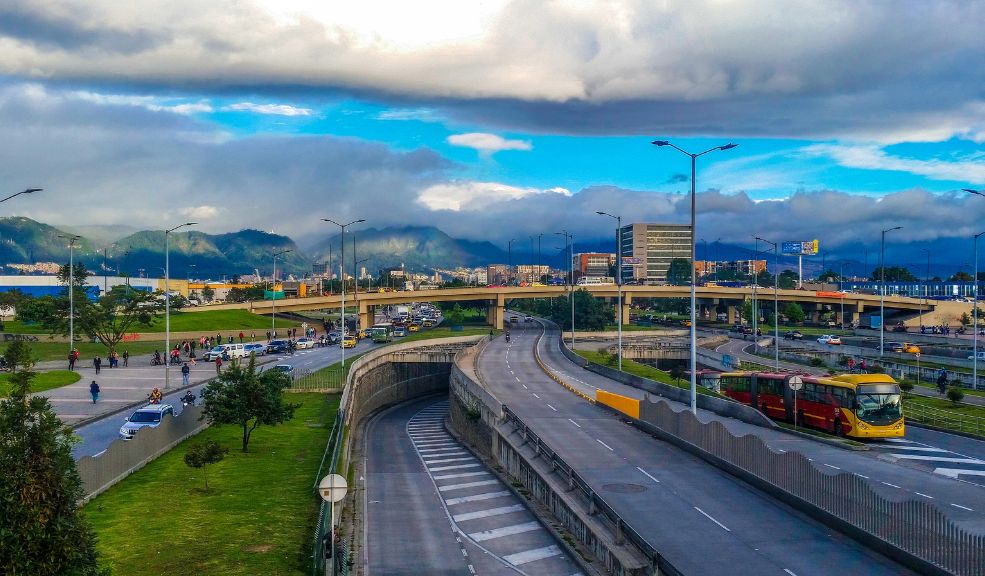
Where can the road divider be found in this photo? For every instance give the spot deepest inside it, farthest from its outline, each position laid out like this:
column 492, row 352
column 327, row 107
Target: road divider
column 628, row 406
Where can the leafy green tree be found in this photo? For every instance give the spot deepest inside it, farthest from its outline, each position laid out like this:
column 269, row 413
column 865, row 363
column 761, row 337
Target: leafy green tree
column 893, row 273
column 746, row 310
column 794, row 312
column 965, row 319
column 961, row 276
column 788, row 279
column 247, row 398
column 677, row 372
column 679, row 271
column 205, row 453
column 829, row 276
column 208, row 293
column 456, row 317
column 42, row 531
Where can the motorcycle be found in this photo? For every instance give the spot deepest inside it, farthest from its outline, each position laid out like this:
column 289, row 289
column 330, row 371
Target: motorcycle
column 507, row 337
column 188, row 399
column 156, row 361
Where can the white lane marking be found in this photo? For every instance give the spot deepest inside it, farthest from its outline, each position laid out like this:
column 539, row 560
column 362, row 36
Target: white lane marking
column 487, row 513
column 460, row 475
column 505, row 531
column 535, row 395
column 962, row 507
column 465, row 485
column 552, row 408
column 899, row 441
column 435, row 443
column 924, row 495
column 98, row 454
column 919, row 449
column 573, row 422
column 447, row 452
column 647, row 474
column 518, row 379
column 455, row 467
column 788, row 571
column 604, row 444
column 939, row 459
column 953, row 472
column 860, row 475
column 532, row 555
column 444, row 460
column 477, row 497
column 448, row 447
column 888, row 484
column 830, row 466
column 525, row 387
column 708, row 516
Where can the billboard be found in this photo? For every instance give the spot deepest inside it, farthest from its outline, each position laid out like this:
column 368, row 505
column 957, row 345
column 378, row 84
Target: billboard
column 630, row 261
column 806, row 248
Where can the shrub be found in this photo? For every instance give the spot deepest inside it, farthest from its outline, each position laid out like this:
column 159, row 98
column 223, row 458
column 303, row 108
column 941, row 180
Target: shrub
column 906, row 385
column 842, row 360
column 816, row 362
column 955, row 394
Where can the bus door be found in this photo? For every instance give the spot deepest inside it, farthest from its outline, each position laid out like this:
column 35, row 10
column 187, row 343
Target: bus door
column 754, row 391
column 788, row 399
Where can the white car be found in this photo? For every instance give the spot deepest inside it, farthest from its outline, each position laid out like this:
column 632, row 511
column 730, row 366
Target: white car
column 255, row 348
column 829, row 339
column 304, row 343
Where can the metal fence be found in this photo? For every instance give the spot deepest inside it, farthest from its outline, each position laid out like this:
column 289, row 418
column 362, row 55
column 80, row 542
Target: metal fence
column 305, row 380
column 938, row 418
column 329, row 462
column 915, row 528
column 597, row 505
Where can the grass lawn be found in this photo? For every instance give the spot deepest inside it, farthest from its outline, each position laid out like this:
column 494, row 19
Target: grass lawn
column 42, row 381
column 204, row 321
column 946, row 405
column 257, row 518
column 637, row 369
column 638, row 328
column 933, row 386
column 46, row 350
column 445, row 332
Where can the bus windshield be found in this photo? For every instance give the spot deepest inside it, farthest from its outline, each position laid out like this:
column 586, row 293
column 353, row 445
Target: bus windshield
column 879, row 404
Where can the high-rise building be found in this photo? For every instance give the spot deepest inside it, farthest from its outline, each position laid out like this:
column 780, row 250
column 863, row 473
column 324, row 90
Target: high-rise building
column 746, row 267
column 531, row 272
column 497, row 274
column 648, row 249
column 595, row 264
column 319, row 268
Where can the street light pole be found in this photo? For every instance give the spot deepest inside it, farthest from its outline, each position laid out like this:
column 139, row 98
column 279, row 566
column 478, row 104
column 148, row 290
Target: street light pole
column 509, row 260
column 167, row 301
column 342, row 270
column 694, row 327
column 776, row 300
column 882, row 290
column 27, row 191
column 569, row 240
column 71, row 282
column 974, row 312
column 618, row 220
column 273, row 294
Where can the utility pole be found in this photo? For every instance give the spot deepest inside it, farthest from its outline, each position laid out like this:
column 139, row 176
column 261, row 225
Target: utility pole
column 72, row 238
column 342, row 272
column 167, row 301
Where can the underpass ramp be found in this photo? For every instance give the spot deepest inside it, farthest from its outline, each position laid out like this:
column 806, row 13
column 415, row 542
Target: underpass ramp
column 626, row 405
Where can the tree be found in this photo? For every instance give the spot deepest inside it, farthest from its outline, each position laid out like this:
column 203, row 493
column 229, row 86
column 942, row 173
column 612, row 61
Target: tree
column 205, row 453
column 456, row 317
column 965, row 319
column 42, row 531
column 746, row 310
column 208, row 293
column 677, row 372
column 244, row 397
column 794, row 312
column 679, row 271
column 788, row 279
column 961, row 276
column 829, row 276
column 893, row 273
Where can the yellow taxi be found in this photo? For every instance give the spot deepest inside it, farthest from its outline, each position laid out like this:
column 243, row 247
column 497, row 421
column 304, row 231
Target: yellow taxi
column 910, row 348
column 413, row 327
column 349, row 341
column 428, row 324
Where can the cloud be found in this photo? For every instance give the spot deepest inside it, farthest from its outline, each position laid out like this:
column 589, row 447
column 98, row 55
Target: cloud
column 472, row 196
column 487, row 143
column 274, row 109
column 200, row 212
column 676, row 67
column 405, row 114
column 678, row 178
column 872, row 157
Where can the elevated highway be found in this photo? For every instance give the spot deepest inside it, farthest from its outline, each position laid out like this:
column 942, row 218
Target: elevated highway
column 710, row 300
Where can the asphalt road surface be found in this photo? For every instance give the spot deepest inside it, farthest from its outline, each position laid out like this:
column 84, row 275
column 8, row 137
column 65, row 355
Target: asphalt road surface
column 701, row 519
column 433, row 508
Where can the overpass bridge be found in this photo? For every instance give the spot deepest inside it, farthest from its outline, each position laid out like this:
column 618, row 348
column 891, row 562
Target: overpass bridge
column 710, row 300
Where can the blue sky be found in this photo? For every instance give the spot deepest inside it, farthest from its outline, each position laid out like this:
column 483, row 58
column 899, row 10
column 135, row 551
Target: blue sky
column 501, row 119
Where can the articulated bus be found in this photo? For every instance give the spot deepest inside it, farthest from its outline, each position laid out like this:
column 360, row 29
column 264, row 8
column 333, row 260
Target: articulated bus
column 382, row 332
column 854, row 405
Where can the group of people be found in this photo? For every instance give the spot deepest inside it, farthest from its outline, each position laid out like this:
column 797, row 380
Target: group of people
column 943, row 329
column 857, row 367
column 97, row 362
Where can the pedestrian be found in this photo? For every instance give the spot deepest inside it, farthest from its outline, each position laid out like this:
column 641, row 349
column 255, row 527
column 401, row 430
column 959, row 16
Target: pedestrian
column 861, row 365
column 241, row 336
column 218, row 364
column 253, row 337
column 71, row 359
column 113, row 359
column 185, row 371
column 94, row 390
column 230, row 339
column 126, row 357
column 97, row 363
column 942, row 382
column 218, row 338
column 191, row 357
column 851, row 364
column 268, row 335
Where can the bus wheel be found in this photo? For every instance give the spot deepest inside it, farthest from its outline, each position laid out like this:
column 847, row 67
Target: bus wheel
column 838, row 430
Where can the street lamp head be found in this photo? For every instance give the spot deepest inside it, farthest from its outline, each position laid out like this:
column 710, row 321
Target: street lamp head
column 728, row 146
column 660, row 143
column 978, row 192
column 32, row 190
column 358, row 221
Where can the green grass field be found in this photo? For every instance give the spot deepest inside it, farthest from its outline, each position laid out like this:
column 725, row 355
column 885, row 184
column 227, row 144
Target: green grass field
column 42, row 381
column 257, row 518
column 642, row 370
column 445, row 332
column 46, row 350
column 943, row 403
column 204, row 321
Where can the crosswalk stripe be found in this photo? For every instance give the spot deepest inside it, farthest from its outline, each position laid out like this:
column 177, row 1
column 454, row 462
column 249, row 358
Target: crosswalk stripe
column 460, row 475
column 528, row 556
column 455, row 467
column 443, row 460
column 954, row 472
column 487, row 513
column 504, row 531
column 464, row 485
column 939, row 459
column 477, row 497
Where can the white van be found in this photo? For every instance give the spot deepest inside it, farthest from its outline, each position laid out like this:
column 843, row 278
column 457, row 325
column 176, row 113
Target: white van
column 227, row 351
column 981, row 356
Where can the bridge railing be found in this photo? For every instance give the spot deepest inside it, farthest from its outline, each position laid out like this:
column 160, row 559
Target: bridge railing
column 597, row 504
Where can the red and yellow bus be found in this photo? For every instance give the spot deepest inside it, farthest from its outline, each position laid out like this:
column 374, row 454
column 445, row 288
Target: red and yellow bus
column 854, row 405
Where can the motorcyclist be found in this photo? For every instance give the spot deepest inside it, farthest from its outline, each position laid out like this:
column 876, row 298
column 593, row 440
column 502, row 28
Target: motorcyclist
column 188, row 398
column 155, row 396
column 157, row 359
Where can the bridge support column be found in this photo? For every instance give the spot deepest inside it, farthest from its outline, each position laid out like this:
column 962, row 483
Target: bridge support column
column 733, row 314
column 627, row 302
column 496, row 312
column 367, row 315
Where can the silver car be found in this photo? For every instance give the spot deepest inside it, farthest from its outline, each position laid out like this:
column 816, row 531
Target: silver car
column 149, row 416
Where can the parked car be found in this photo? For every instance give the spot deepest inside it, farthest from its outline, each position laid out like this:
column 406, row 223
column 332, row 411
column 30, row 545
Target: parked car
column 829, row 339
column 149, row 416
column 794, row 335
column 304, row 343
column 981, row 356
column 255, row 348
column 277, row 346
column 284, row 368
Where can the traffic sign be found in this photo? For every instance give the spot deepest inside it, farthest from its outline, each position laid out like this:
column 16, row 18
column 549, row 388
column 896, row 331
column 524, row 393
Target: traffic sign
column 796, row 383
column 332, row 488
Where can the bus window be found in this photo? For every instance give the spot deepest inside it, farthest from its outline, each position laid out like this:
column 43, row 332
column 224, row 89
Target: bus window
column 736, row 383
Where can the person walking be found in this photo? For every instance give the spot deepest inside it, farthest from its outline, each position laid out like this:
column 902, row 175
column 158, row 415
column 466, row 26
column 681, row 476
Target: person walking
column 185, row 371
column 94, row 391
column 268, row 335
column 71, row 359
column 218, row 364
column 942, row 382
column 97, row 363
column 126, row 357
column 241, row 336
column 253, row 337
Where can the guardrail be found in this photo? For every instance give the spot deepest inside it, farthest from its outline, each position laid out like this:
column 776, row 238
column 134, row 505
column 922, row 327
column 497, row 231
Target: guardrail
column 938, row 418
column 331, row 454
column 597, row 504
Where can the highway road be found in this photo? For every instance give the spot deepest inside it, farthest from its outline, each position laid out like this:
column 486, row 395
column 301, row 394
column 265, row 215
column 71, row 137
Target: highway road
column 433, row 508
column 98, row 435
column 701, row 519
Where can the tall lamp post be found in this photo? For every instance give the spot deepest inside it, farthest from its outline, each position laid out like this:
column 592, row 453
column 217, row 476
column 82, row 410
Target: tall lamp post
column 27, row 191
column 167, row 301
column 342, row 270
column 509, row 260
column 618, row 220
column 273, row 293
column 71, row 284
column 974, row 312
column 882, row 289
column 569, row 240
column 776, row 300
column 694, row 327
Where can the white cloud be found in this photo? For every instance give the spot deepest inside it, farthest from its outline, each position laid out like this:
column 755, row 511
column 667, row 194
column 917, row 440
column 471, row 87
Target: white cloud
column 402, row 114
column 487, row 143
column 472, row 196
column 152, row 103
column 200, row 212
column 273, row 109
column 872, row 157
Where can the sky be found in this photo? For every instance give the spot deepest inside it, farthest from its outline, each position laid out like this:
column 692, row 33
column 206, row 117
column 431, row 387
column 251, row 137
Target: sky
column 495, row 120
